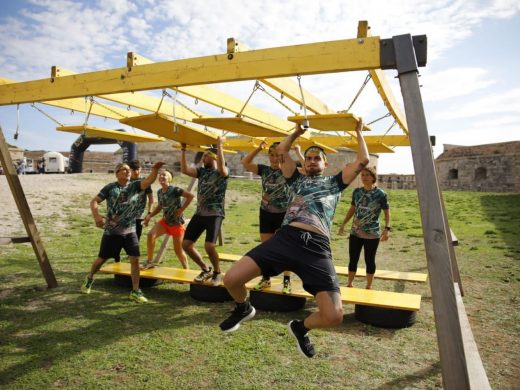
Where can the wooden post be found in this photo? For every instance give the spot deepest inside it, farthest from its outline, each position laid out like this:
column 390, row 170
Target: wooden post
column 25, row 212
column 449, row 337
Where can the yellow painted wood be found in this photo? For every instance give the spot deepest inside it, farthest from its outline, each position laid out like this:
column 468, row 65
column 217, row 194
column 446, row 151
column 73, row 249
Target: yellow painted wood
column 383, row 86
column 242, row 126
column 163, row 125
column 337, row 141
column 313, row 58
column 92, row 131
column 330, row 122
column 380, row 274
column 138, row 100
column 243, row 144
column 78, row 105
column 384, row 299
column 202, row 149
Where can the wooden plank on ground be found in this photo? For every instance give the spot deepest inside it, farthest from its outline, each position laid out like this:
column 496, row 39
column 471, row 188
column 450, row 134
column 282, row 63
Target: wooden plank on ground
column 380, row 274
column 359, row 296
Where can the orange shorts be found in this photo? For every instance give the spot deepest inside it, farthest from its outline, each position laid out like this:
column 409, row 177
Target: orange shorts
column 174, row 231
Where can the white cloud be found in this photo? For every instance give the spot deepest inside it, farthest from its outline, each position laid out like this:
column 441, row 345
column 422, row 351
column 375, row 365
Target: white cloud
column 454, row 82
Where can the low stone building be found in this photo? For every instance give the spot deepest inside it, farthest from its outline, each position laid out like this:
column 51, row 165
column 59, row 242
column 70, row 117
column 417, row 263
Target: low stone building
column 395, row 181
column 490, row 167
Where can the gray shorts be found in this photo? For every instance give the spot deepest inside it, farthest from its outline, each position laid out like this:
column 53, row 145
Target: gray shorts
column 305, row 253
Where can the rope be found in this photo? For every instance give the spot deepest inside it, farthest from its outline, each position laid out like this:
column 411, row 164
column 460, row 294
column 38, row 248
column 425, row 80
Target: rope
column 367, row 79
column 305, row 120
column 261, row 88
column 17, row 122
column 47, row 115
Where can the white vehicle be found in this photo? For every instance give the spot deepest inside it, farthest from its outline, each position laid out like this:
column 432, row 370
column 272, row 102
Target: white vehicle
column 29, row 166
column 55, row 162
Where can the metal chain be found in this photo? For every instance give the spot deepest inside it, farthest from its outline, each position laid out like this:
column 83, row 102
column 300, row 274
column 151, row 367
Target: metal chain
column 367, row 79
column 378, row 119
column 106, row 107
column 305, row 120
column 261, row 88
column 248, row 99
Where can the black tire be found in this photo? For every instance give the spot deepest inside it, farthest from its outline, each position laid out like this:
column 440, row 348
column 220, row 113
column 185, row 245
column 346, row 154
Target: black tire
column 275, row 302
column 205, row 293
column 126, row 281
column 385, row 318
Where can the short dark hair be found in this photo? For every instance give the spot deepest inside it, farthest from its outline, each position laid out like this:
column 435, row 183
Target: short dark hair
column 135, row 164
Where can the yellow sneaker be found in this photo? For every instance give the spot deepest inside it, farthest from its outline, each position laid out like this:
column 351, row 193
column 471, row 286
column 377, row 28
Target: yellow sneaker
column 138, row 296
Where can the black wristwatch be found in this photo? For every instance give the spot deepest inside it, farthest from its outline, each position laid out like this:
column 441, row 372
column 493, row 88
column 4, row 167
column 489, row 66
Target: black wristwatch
column 388, row 228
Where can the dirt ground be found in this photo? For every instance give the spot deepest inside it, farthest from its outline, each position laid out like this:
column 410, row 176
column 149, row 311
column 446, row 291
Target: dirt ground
column 45, row 194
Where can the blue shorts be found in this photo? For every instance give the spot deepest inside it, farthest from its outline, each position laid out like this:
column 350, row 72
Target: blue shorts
column 111, row 245
column 305, row 253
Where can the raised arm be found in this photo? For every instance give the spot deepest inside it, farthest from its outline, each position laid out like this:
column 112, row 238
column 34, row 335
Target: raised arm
column 352, row 170
column 286, row 162
column 185, row 169
column 145, row 183
column 247, row 161
column 221, row 162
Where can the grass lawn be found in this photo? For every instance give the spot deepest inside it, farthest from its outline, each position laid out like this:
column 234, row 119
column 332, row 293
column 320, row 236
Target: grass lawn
column 60, row 338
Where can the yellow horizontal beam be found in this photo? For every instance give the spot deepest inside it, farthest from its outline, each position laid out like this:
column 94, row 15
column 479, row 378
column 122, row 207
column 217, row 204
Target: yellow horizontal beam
column 312, row 58
column 248, row 144
column 242, row 126
column 337, row 140
column 287, row 86
column 218, row 98
column 330, row 122
column 92, row 131
column 138, row 100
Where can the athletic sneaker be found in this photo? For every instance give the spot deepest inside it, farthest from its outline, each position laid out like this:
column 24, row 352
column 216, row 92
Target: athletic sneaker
column 286, row 286
column 216, row 279
column 238, row 315
column 203, row 276
column 301, row 335
column 87, row 286
column 264, row 283
column 138, row 296
column 146, row 265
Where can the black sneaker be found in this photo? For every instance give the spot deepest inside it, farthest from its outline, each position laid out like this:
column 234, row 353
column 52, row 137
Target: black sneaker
column 238, row 315
column 301, row 336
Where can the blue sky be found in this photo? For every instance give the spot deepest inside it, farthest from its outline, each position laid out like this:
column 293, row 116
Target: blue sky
column 471, row 86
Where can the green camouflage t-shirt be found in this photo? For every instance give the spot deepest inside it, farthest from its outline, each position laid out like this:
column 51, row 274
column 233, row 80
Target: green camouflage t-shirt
column 368, row 206
column 123, row 206
column 211, row 192
column 170, row 201
column 314, row 200
column 143, row 198
column 275, row 192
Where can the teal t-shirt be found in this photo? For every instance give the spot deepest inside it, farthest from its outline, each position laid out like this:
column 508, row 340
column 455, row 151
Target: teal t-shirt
column 275, row 192
column 368, row 206
column 211, row 192
column 314, row 200
column 142, row 199
column 123, row 206
column 170, row 201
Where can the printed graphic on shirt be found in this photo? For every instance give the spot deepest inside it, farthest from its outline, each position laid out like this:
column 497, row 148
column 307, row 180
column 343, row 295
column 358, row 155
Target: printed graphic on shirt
column 368, row 206
column 314, row 200
column 170, row 201
column 143, row 198
column 123, row 206
column 211, row 192
column 275, row 192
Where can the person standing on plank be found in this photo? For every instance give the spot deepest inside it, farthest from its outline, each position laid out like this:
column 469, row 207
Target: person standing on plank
column 366, row 206
column 211, row 192
column 302, row 245
column 172, row 223
column 275, row 198
column 123, row 207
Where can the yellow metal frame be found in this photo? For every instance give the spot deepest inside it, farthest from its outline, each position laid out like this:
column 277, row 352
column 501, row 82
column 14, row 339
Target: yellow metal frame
column 92, row 131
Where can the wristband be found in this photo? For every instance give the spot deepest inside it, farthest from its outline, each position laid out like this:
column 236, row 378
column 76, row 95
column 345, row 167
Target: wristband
column 388, row 228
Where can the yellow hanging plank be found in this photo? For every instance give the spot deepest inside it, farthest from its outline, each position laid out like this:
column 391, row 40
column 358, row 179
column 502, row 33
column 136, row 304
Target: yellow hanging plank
column 202, row 149
column 374, row 145
column 244, row 144
column 92, row 131
column 330, row 122
column 163, row 125
column 241, row 125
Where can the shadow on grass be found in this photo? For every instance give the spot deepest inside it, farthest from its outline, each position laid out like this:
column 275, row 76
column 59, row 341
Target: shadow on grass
column 411, row 380
column 61, row 323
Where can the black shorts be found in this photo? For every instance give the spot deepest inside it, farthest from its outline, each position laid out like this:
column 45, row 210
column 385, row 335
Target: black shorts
column 305, row 253
column 198, row 224
column 270, row 222
column 111, row 245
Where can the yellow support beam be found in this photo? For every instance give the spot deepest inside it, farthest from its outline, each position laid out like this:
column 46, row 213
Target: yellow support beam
column 138, row 100
column 92, row 131
column 312, row 58
column 287, row 86
column 219, row 99
column 382, row 85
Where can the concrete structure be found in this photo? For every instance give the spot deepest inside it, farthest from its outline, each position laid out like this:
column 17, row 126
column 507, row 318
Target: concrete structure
column 395, row 181
column 491, row 167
